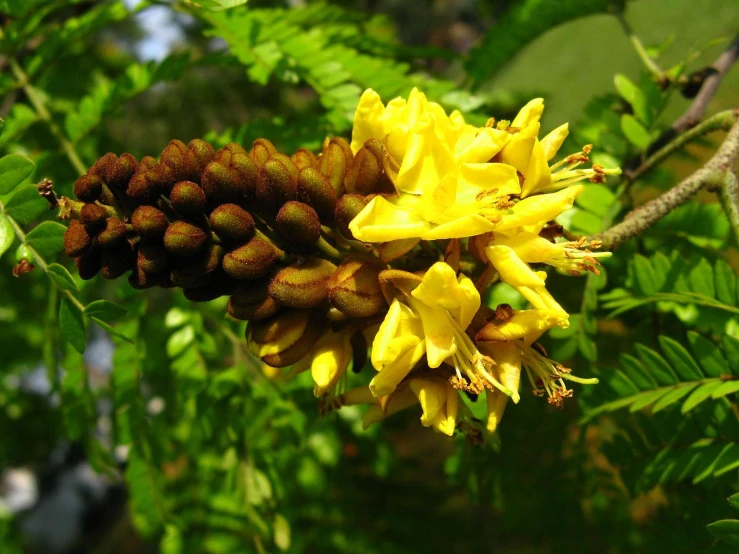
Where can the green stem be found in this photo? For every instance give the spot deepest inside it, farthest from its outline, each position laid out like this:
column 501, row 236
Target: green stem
column 326, row 248
column 636, row 42
column 729, row 194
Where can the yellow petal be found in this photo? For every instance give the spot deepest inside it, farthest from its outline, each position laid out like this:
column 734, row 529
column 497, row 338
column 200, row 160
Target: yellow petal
column 385, row 334
column 426, row 159
column 381, row 221
column 522, row 324
column 475, row 178
column 496, row 402
column 395, row 371
column 431, row 395
column 466, row 226
column 446, row 420
column 439, row 333
column 441, row 288
column 537, row 175
column 399, row 401
column 518, row 153
column 508, row 367
column 367, row 123
column 511, row 268
column 554, row 140
column 331, row 357
column 486, row 144
column 530, row 113
column 357, row 395
column 540, row 208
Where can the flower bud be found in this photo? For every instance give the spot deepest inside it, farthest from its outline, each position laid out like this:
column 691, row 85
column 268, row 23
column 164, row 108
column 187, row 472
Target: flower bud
column 152, row 257
column 89, row 263
column 261, row 151
column 187, row 198
column 88, row 188
column 231, row 177
column 199, row 270
column 251, row 261
column 148, row 163
column 275, row 185
column 102, row 165
column 347, row 208
column 230, row 150
column 199, row 154
column 141, row 280
column 112, row 234
column 355, row 289
column 117, row 261
column 144, row 187
column 93, row 216
column 315, row 190
column 149, row 222
column 76, row 239
column 286, row 337
column 118, row 171
column 304, row 158
column 232, row 223
column 220, row 286
column 298, row 223
column 288, row 163
column 366, row 174
column 173, row 166
column 252, row 302
column 334, row 164
column 303, row 285
column 184, row 239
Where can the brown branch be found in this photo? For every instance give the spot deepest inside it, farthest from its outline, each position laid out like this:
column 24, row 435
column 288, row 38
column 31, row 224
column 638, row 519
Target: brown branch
column 711, row 176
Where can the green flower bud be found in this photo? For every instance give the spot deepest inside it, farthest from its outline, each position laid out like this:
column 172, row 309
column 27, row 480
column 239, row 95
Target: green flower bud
column 298, row 223
column 199, row 154
column 77, row 239
column 232, row 223
column 334, row 164
column 93, row 216
column 152, row 257
column 89, row 263
column 304, row 158
column 187, row 198
column 253, row 302
column 285, row 338
column 88, row 188
column 275, row 185
column 347, row 208
column 261, row 150
column 149, row 222
column 251, row 261
column 302, row 285
column 199, row 270
column 184, row 239
column 112, row 234
column 288, row 163
column 355, row 289
column 315, row 190
column 247, row 171
column 144, row 188
column 117, row 261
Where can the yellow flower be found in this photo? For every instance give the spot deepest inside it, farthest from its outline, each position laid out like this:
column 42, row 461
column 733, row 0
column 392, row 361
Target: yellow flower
column 432, row 319
column 523, row 324
column 328, row 360
column 508, row 368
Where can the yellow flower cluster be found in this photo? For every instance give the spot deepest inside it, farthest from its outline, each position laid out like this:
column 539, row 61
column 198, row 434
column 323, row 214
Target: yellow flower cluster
column 489, row 192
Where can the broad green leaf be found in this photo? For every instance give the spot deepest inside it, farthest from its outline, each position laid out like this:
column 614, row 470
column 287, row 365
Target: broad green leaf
column 14, row 169
column 179, row 340
column 634, row 131
column 700, row 394
column 709, row 355
column 47, row 238
column 596, row 199
column 105, row 310
column 680, row 359
column 25, row 204
column 656, row 365
column 673, row 396
column 62, row 278
column 282, row 532
column 725, row 529
column 633, row 95
column 72, row 326
column 725, row 282
column 7, row 236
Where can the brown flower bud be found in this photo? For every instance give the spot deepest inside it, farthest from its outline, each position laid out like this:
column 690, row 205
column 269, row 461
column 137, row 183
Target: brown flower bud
column 275, row 185
column 152, row 257
column 355, row 289
column 288, row 163
column 251, row 261
column 140, row 279
column 252, row 302
column 334, row 164
column 261, row 151
column 219, row 286
column 187, row 198
column 347, row 208
column 298, row 223
column 112, row 234
column 315, row 190
column 102, row 164
column 232, row 223
column 199, row 154
column 229, row 150
column 88, row 188
column 230, row 178
column 304, row 158
column 366, row 174
column 173, row 164
column 285, row 338
column 118, row 171
column 199, row 270
column 149, row 222
column 148, row 163
column 89, row 263
column 93, row 216
column 117, row 261
column 184, row 239
column 144, row 188
column 77, row 240
column 303, row 285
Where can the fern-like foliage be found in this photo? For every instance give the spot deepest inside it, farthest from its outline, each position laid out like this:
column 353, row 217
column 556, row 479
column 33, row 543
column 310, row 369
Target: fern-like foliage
column 727, row 530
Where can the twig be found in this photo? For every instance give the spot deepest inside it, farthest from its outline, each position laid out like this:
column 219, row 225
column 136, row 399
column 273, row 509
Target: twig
column 646, row 59
column 711, row 176
column 729, row 195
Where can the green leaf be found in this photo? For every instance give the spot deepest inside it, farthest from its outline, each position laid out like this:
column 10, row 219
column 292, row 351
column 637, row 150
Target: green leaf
column 644, row 275
column 725, row 529
column 734, row 501
column 282, row 532
column 105, row 310
column 25, row 204
column 657, row 365
column 14, row 169
column 62, row 278
column 633, row 95
column 111, row 330
column 179, row 340
column 673, row 396
column 730, row 346
column 699, row 395
column 680, row 359
column 597, row 199
column 729, row 387
column 634, row 131
column 47, row 238
column 708, row 354
column 728, row 460
column 725, row 282
column 637, row 373
column 7, row 236
column 701, row 278
column 72, row 326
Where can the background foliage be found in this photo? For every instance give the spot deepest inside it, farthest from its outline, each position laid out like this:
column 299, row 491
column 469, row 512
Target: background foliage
column 189, row 447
